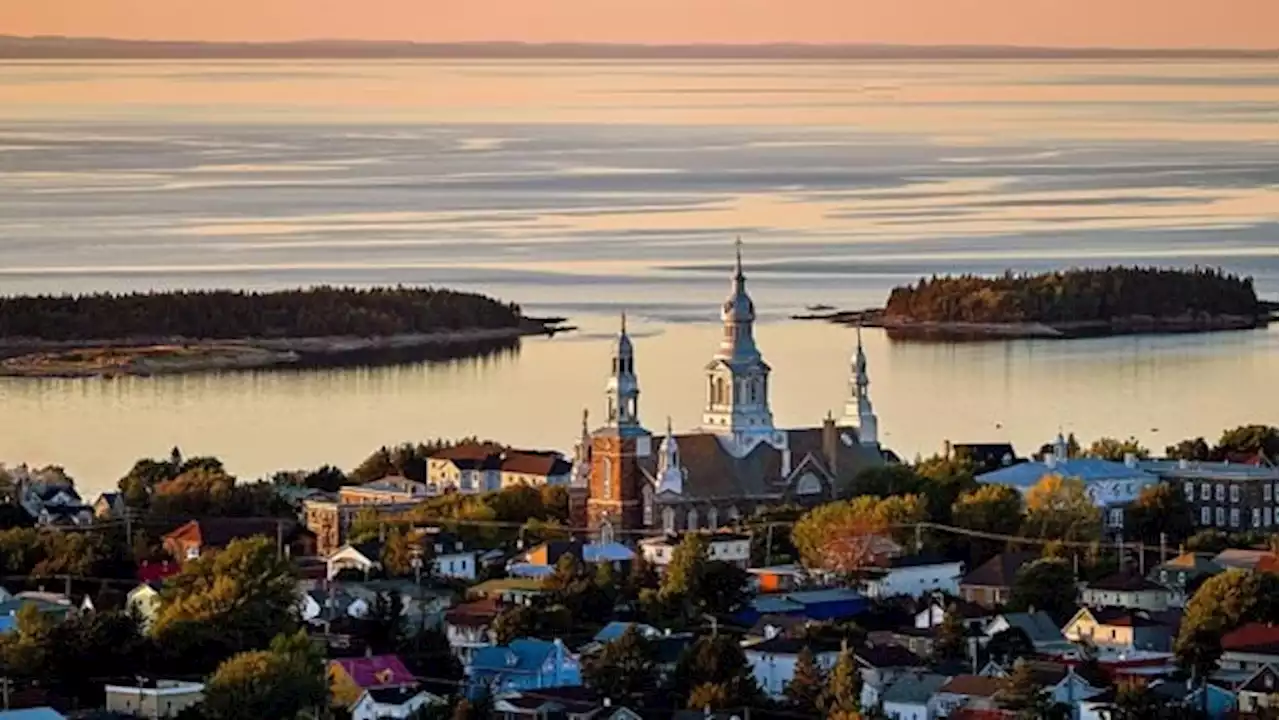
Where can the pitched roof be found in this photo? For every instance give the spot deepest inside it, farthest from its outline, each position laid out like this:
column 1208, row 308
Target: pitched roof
column 1126, row 582
column 782, row 645
column 375, row 671
column 522, row 655
column 1121, row 617
column 1262, row 681
column 1259, row 638
column 1027, row 474
column 219, row 532
column 1199, row 563
column 1037, row 625
column 887, row 655
column 617, row 628
column 973, row 685
column 1244, row 559
column 914, row 688
column 999, row 571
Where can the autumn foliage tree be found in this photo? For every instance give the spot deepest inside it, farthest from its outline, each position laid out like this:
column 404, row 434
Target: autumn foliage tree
column 1059, row 508
column 847, row 537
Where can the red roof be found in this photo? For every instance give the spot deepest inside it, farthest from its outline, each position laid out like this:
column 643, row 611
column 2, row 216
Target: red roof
column 154, row 572
column 376, row 671
column 1253, row 637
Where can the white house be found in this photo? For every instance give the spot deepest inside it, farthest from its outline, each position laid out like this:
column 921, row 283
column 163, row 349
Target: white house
column 1044, row 633
column 448, row 558
column 727, row 547
column 1123, row 590
column 915, row 576
column 773, row 661
column 1120, row 633
column 154, row 699
column 1258, row 693
column 386, row 703
column 320, row 605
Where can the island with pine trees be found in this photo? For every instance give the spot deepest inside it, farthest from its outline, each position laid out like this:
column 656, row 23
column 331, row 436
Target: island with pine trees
column 1067, row 304
column 190, row 331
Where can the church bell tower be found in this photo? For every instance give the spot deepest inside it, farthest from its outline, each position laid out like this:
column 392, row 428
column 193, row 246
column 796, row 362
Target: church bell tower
column 618, row 449
column 737, row 376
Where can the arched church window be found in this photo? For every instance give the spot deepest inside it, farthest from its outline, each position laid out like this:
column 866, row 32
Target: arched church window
column 734, row 514
column 713, row 518
column 606, row 531
column 648, row 505
column 668, row 520
column 691, row 520
column 607, row 481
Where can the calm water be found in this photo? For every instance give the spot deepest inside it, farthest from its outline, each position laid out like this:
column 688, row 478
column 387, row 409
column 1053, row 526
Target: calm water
column 582, row 188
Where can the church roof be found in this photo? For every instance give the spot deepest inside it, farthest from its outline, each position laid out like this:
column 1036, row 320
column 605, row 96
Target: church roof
column 714, row 472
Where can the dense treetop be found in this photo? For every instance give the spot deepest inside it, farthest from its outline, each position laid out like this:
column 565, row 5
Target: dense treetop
column 227, row 314
column 1073, row 296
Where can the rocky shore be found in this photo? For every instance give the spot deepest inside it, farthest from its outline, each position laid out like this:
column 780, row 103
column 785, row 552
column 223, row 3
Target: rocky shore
column 116, row 357
column 911, row 329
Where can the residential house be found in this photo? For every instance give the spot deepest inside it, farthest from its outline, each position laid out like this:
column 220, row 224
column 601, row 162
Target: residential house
column 1257, row 694
column 778, row 578
column 733, row 548
column 1043, row 632
column 1112, row 486
column 448, row 558
column 971, row 614
column 9, row 610
column 395, row 702
column 983, row 457
column 1119, row 632
column 880, row 665
column 512, row 591
column 1124, row 590
column 154, row 698
column 466, row 626
column 974, row 692
column 562, row 703
column 1219, row 702
column 349, row 678
column 1061, row 682
column 390, row 490
column 990, row 584
column 423, row 604
column 1183, row 575
column 826, row 604
column 1246, row 559
column 327, row 604
column 914, row 576
column 773, row 661
column 616, row 629
column 1250, row 647
column 197, row 537
column 51, row 498
column 772, row 626
column 1228, row 496
column 109, row 505
column 144, row 600
column 485, row 467
column 331, row 520
column 909, row 697
column 540, row 561
column 525, row 664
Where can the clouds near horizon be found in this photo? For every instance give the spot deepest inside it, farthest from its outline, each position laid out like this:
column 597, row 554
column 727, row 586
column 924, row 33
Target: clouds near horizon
column 1065, row 23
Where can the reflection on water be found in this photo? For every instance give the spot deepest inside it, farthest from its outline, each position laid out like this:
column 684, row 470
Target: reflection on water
column 1158, row 388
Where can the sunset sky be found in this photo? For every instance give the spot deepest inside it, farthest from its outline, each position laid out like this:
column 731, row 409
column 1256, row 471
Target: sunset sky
column 1113, row 23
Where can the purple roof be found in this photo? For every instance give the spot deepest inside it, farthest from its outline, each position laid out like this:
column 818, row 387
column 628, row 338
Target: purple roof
column 377, row 671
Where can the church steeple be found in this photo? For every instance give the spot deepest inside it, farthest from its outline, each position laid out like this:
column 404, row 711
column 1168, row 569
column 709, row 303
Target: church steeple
column 737, row 376
column 670, row 473
column 622, row 391
column 857, row 408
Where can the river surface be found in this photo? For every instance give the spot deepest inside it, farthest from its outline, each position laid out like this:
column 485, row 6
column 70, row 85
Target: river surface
column 585, row 188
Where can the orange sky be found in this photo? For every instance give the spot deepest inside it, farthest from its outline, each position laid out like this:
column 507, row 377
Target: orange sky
column 1115, row 23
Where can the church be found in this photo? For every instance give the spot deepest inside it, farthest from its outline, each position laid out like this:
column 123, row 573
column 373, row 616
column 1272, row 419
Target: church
column 627, row 480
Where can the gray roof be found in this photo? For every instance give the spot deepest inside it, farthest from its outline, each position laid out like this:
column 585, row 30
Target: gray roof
column 1037, row 625
column 1024, row 475
column 914, row 688
column 1198, row 470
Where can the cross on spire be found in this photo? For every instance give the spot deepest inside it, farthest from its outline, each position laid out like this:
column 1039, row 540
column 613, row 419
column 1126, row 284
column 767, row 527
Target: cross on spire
column 737, row 250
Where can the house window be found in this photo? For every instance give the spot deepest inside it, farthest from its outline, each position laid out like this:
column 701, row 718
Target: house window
column 691, row 520
column 668, row 520
column 193, row 552
column 1206, row 493
column 1220, row 516
column 1204, row 516
column 1257, row 517
column 1189, row 489
column 1235, row 493
column 1116, row 517
column 1219, row 492
column 1235, row 517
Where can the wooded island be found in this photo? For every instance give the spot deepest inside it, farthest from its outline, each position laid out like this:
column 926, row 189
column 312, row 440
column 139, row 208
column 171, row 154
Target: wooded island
column 1068, row 303
column 185, row 331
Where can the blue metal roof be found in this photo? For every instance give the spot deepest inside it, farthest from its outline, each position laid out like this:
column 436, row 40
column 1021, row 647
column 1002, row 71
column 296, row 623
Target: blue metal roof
column 1024, row 475
column 811, row 597
column 615, row 629
column 523, row 655
column 775, row 604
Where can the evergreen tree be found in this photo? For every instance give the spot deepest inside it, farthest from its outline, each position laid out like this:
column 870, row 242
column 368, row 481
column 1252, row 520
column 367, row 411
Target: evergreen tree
column 808, row 685
column 624, row 669
column 844, row 684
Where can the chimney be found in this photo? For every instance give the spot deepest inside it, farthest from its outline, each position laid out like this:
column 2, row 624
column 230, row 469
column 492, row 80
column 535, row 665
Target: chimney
column 830, row 442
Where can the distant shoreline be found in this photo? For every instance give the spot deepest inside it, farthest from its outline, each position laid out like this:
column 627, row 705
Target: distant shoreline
column 901, row 329
column 142, row 357
column 72, row 48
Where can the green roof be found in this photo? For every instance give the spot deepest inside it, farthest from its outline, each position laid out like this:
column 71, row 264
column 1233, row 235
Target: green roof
column 502, row 585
